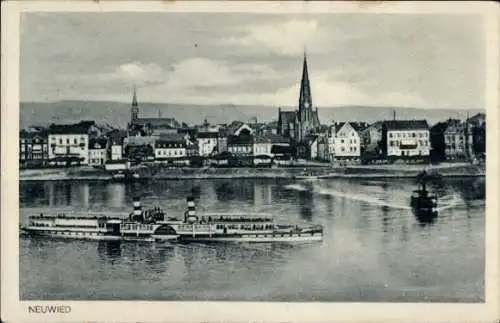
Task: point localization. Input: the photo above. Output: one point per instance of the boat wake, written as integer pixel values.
(362, 198)
(296, 187)
(447, 202)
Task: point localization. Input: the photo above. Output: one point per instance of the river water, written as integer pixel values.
(375, 248)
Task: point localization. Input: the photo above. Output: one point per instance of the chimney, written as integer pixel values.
(137, 207)
(393, 114)
(191, 211)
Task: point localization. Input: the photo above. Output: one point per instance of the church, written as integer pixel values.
(297, 125)
(147, 126)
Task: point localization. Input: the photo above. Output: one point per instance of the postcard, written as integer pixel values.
(178, 161)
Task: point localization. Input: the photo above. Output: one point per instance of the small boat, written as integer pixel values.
(422, 200)
(306, 175)
(126, 175)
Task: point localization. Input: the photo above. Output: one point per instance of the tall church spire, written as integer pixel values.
(134, 112)
(305, 99)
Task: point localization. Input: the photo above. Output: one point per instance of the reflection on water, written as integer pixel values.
(375, 247)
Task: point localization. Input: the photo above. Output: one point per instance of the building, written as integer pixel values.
(270, 128)
(310, 144)
(477, 120)
(298, 124)
(406, 140)
(457, 140)
(116, 141)
(237, 128)
(477, 126)
(207, 143)
(98, 151)
(140, 126)
(371, 138)
(241, 146)
(345, 142)
(262, 146)
(33, 149)
(323, 148)
(222, 141)
(436, 138)
(69, 143)
(171, 148)
(139, 152)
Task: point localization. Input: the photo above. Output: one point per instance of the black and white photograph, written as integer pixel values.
(293, 157)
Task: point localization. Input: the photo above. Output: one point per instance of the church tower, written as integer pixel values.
(305, 99)
(134, 111)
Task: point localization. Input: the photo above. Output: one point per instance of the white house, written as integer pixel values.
(97, 152)
(170, 147)
(262, 145)
(116, 140)
(344, 141)
(69, 143)
(406, 139)
(207, 143)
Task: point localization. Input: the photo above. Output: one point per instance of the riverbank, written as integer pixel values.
(360, 171)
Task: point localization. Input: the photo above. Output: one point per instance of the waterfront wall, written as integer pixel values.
(153, 172)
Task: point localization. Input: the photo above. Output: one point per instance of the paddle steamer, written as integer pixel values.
(153, 225)
(138, 226)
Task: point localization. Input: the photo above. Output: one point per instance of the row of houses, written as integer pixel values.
(392, 140)
(85, 143)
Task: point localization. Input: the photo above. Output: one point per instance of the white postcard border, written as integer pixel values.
(135, 311)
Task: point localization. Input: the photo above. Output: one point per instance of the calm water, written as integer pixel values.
(374, 249)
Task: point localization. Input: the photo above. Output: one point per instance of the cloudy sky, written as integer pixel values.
(433, 61)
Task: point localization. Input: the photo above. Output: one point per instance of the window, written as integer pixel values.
(341, 141)
(60, 141)
(75, 141)
(390, 135)
(413, 134)
(399, 135)
(67, 141)
(420, 135)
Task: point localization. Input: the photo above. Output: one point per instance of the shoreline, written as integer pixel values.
(348, 172)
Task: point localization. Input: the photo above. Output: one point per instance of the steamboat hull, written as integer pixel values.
(294, 238)
(95, 235)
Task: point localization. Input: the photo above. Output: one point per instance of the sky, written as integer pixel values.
(401, 60)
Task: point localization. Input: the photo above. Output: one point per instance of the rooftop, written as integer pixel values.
(83, 127)
(406, 125)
